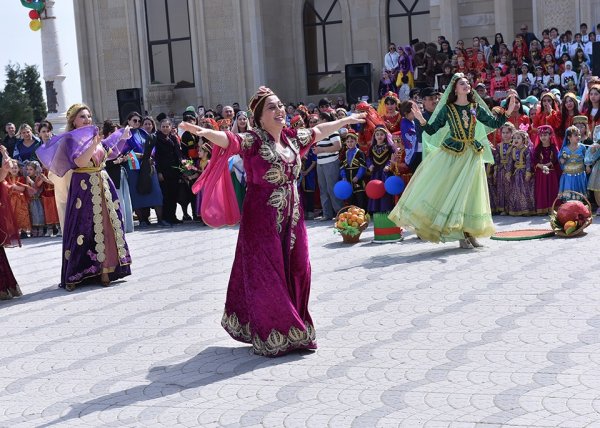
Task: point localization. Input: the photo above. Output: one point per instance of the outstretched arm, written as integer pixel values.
(324, 130)
(5, 162)
(216, 137)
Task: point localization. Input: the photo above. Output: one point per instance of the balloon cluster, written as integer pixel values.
(375, 189)
(36, 6)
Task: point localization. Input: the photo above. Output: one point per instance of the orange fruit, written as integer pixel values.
(354, 224)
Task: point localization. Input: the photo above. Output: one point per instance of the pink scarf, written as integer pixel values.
(219, 203)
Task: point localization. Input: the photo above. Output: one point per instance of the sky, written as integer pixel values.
(20, 45)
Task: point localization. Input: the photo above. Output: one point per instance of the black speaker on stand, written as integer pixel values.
(596, 59)
(129, 100)
(358, 82)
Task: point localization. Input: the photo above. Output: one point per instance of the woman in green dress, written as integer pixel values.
(447, 198)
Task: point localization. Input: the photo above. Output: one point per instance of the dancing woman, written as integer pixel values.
(93, 236)
(269, 286)
(447, 198)
(9, 232)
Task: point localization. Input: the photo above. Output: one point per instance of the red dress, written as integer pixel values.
(49, 204)
(9, 236)
(20, 204)
(392, 123)
(542, 118)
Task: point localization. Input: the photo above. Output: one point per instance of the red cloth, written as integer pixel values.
(9, 232)
(219, 203)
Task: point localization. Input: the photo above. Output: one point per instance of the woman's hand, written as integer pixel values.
(191, 128)
(511, 104)
(356, 118)
(126, 135)
(417, 112)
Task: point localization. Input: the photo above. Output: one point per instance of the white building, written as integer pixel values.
(192, 52)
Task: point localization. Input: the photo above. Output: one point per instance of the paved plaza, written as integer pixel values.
(410, 334)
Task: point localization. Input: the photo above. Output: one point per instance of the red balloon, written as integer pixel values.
(375, 189)
(33, 14)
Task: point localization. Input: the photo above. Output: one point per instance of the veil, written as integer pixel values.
(433, 142)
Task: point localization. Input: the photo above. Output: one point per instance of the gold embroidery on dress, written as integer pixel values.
(247, 140)
(277, 341)
(465, 119)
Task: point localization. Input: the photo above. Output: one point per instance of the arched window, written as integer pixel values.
(169, 42)
(323, 46)
(408, 20)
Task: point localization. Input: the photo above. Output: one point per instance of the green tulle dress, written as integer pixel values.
(448, 194)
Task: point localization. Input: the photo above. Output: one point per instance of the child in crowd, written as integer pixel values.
(398, 165)
(547, 169)
(18, 199)
(34, 190)
(49, 204)
(378, 162)
(404, 91)
(502, 155)
(521, 199)
(571, 158)
(592, 167)
(308, 183)
(353, 169)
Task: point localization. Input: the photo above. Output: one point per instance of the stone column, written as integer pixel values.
(53, 71)
(503, 13)
(449, 22)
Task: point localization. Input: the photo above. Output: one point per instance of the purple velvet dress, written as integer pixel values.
(93, 235)
(269, 286)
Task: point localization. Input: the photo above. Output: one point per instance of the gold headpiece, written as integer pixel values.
(259, 97)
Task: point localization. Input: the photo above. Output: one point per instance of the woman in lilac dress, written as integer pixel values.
(94, 244)
(269, 286)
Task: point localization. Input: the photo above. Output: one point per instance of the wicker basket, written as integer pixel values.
(570, 195)
(361, 227)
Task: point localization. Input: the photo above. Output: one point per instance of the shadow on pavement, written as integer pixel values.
(213, 364)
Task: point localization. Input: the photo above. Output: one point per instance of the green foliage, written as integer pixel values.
(22, 99)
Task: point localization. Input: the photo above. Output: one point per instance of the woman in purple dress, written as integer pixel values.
(94, 244)
(9, 232)
(269, 286)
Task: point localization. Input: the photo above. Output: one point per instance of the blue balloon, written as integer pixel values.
(394, 185)
(342, 190)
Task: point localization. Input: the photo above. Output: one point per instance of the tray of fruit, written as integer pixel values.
(571, 214)
(350, 223)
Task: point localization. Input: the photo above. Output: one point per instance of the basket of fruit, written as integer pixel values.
(571, 214)
(350, 223)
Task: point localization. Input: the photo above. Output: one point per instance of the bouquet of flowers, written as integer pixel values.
(187, 168)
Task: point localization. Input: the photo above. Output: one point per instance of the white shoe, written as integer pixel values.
(466, 244)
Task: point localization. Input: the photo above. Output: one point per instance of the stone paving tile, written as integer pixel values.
(411, 334)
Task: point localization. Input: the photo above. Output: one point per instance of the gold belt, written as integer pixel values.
(89, 169)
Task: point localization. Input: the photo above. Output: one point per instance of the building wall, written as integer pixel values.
(238, 45)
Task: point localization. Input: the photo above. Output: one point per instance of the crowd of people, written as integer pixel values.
(492, 142)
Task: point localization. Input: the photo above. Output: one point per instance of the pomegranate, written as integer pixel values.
(572, 211)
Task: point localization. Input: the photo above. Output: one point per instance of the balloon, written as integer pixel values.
(33, 14)
(38, 5)
(342, 190)
(35, 25)
(394, 185)
(375, 189)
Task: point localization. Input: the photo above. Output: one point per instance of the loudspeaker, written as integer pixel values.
(595, 58)
(129, 100)
(358, 82)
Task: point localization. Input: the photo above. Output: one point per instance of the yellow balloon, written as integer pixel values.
(35, 24)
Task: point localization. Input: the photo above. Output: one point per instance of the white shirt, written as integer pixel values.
(574, 46)
(390, 60)
(325, 158)
(551, 79)
(529, 79)
(569, 74)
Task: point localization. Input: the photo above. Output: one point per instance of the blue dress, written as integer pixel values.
(137, 144)
(573, 176)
